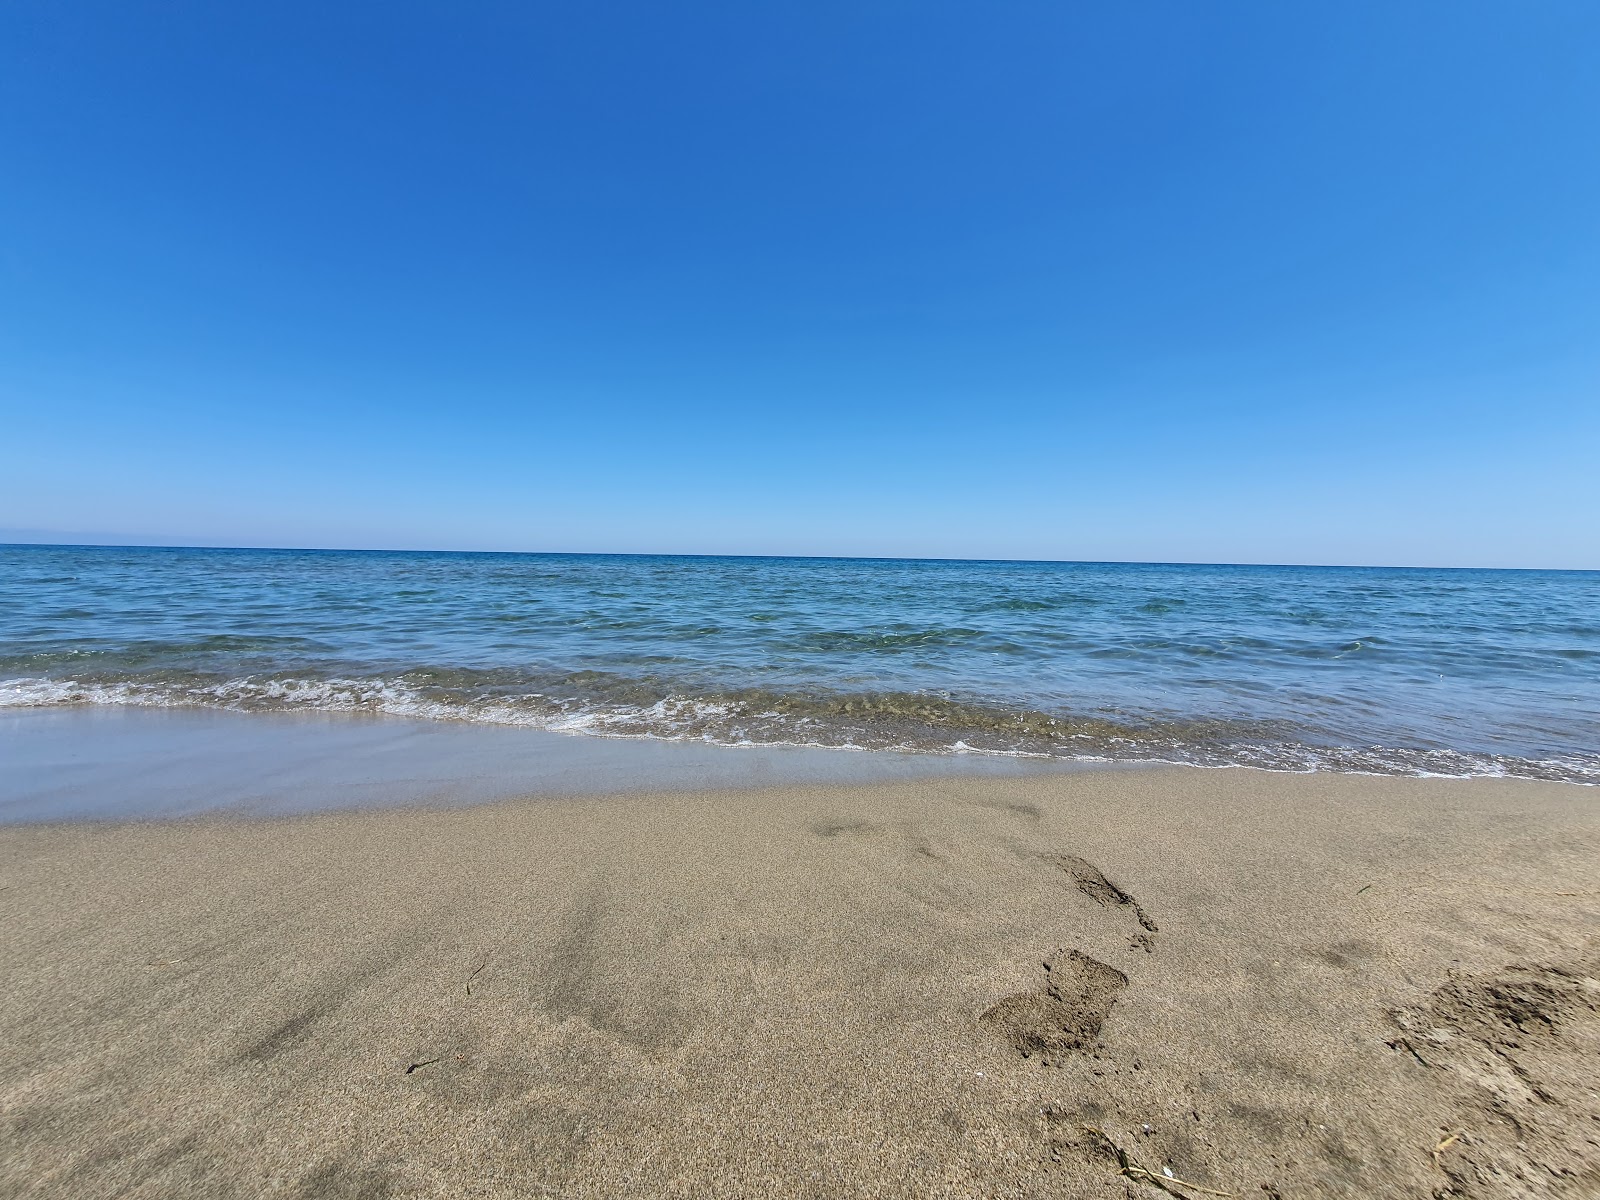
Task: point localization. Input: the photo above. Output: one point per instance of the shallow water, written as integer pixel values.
(1356, 669)
(103, 762)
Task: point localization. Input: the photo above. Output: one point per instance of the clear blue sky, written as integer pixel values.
(1166, 280)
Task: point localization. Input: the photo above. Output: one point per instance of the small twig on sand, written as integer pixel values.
(1443, 1146)
(418, 1065)
(1363, 888)
(474, 975)
(1135, 1170)
(1404, 1044)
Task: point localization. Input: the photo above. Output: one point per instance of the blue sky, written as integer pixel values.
(1162, 281)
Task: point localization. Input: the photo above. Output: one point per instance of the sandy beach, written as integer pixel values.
(1060, 985)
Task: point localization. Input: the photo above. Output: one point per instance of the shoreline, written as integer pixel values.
(130, 763)
(818, 990)
(935, 728)
(109, 763)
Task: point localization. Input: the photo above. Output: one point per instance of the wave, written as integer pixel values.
(607, 704)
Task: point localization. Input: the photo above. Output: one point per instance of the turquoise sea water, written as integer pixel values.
(1350, 669)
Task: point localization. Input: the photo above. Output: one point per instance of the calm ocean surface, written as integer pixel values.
(1344, 669)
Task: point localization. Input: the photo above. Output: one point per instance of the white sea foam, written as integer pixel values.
(728, 722)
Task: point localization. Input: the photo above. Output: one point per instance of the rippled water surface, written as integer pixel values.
(1407, 671)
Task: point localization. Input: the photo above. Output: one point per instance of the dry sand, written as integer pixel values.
(1271, 985)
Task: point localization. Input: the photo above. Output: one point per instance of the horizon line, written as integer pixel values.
(864, 558)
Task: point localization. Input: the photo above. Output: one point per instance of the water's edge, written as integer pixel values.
(107, 763)
(898, 724)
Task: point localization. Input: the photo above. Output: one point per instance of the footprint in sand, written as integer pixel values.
(1065, 1014)
(1092, 883)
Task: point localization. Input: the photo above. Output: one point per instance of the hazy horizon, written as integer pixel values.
(44, 539)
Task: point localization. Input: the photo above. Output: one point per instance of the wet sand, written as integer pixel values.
(1269, 985)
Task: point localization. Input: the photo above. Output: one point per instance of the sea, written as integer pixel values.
(1395, 671)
